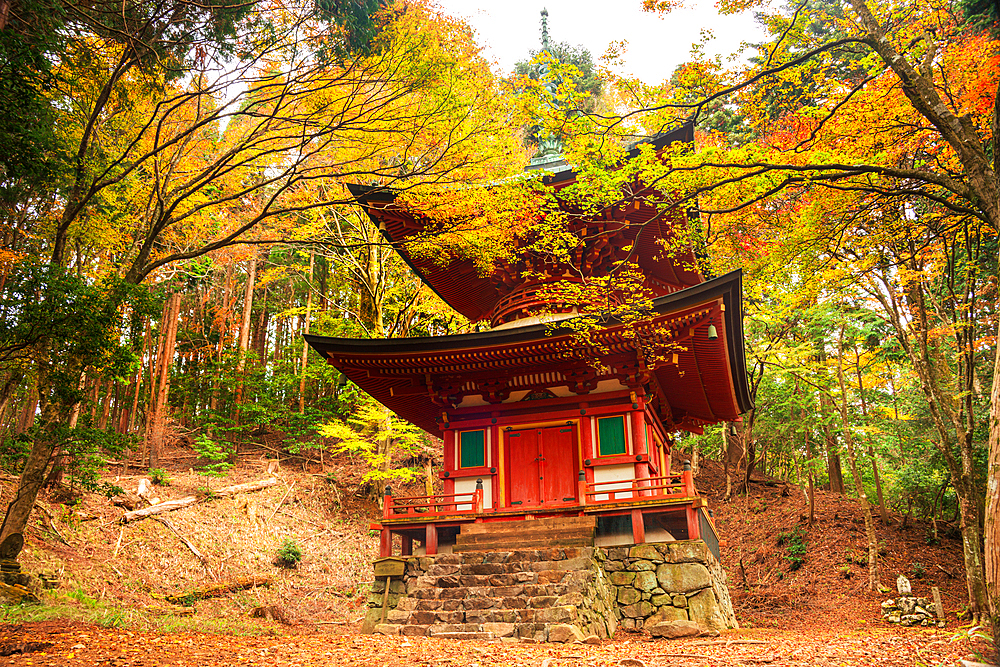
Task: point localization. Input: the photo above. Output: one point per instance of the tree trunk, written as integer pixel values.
(871, 450)
(260, 339)
(27, 417)
(159, 412)
(858, 485)
(734, 455)
(244, 339)
(878, 487)
(32, 478)
(137, 384)
(809, 471)
(102, 423)
(834, 471)
(305, 330)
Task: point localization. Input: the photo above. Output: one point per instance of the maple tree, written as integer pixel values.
(213, 129)
(828, 169)
(880, 102)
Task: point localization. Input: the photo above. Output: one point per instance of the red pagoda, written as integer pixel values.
(536, 423)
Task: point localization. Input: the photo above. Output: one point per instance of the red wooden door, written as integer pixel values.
(541, 466)
(557, 453)
(522, 468)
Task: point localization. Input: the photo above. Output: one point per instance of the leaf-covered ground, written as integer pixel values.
(60, 643)
(818, 614)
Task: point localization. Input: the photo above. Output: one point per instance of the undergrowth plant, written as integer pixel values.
(216, 453)
(795, 546)
(289, 554)
(158, 476)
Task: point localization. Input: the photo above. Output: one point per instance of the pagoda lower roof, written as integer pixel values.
(696, 380)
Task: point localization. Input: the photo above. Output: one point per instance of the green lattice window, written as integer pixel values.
(611, 435)
(472, 449)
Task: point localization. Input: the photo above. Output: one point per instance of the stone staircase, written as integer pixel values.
(550, 588)
(528, 534)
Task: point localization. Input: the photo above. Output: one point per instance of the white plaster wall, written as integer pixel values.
(612, 474)
(468, 485)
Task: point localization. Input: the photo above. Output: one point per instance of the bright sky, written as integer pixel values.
(509, 29)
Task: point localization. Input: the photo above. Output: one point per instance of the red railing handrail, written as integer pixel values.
(439, 495)
(639, 487)
(395, 506)
(635, 480)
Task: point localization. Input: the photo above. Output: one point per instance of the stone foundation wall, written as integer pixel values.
(559, 594)
(669, 581)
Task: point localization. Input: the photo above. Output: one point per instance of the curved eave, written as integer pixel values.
(726, 392)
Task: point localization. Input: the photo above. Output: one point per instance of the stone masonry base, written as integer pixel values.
(560, 594)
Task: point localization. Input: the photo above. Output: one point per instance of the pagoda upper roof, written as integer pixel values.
(698, 381)
(476, 296)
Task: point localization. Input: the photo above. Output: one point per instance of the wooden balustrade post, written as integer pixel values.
(387, 502)
(688, 478)
(477, 504)
(581, 488)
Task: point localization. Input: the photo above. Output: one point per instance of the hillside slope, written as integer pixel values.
(832, 580)
(120, 575)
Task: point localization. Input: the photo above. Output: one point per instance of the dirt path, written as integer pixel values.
(61, 644)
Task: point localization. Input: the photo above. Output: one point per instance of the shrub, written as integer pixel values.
(215, 453)
(159, 477)
(289, 554)
(794, 544)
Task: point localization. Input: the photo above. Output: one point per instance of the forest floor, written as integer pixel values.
(109, 605)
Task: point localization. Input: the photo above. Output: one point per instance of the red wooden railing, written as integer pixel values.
(431, 506)
(680, 485)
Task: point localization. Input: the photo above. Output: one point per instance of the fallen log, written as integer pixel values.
(217, 590)
(159, 508)
(245, 487)
(187, 501)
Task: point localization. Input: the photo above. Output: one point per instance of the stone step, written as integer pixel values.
(513, 558)
(484, 631)
(560, 586)
(528, 535)
(529, 524)
(463, 635)
(493, 544)
(528, 532)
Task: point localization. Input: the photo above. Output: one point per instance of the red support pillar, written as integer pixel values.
(638, 528)
(694, 529)
(407, 548)
(449, 461)
(639, 447)
(385, 543)
(431, 540)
